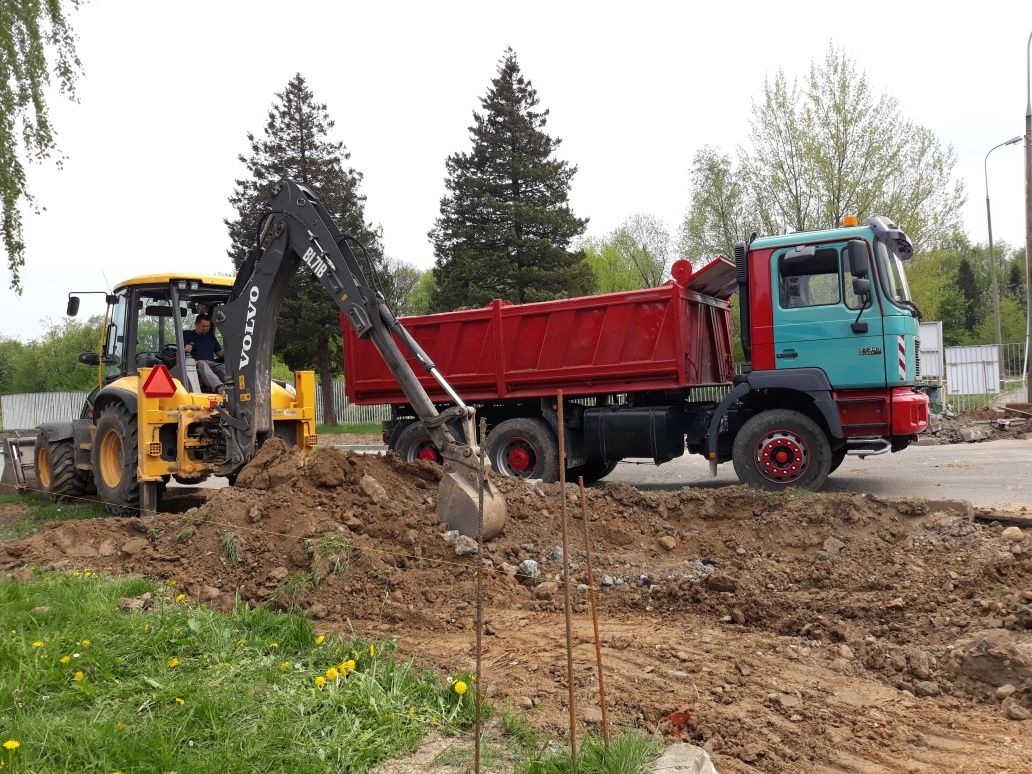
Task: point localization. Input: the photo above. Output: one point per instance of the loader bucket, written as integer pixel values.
(17, 459)
(458, 501)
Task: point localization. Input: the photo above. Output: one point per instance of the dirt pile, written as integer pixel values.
(985, 424)
(789, 627)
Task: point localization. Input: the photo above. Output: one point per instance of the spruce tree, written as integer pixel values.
(968, 287)
(297, 145)
(506, 225)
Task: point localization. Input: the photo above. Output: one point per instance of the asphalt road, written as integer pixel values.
(987, 474)
(991, 473)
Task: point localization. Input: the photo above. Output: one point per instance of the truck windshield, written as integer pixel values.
(893, 278)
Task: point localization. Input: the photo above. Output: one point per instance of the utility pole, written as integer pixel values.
(1028, 217)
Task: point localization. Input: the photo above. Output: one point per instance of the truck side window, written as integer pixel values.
(812, 281)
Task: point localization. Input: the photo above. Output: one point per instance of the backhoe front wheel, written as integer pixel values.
(115, 463)
(781, 448)
(56, 471)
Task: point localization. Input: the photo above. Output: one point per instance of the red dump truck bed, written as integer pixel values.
(666, 338)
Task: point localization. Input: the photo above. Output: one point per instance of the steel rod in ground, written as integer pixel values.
(479, 594)
(594, 615)
(566, 581)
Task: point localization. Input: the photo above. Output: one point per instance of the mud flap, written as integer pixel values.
(458, 501)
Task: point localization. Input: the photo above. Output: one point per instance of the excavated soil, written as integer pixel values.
(798, 632)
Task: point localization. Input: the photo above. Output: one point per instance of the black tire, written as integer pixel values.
(524, 448)
(781, 448)
(114, 461)
(593, 470)
(413, 443)
(56, 472)
(836, 459)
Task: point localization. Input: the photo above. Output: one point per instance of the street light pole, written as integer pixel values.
(992, 258)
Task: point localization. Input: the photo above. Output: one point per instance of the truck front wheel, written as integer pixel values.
(524, 448)
(781, 448)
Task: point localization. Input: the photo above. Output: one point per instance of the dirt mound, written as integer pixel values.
(708, 597)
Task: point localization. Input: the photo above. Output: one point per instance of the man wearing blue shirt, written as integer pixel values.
(203, 347)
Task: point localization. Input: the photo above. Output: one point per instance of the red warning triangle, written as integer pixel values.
(159, 383)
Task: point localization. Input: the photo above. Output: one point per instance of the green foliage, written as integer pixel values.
(819, 150)
(350, 428)
(635, 255)
(51, 362)
(420, 298)
(629, 753)
(506, 225)
(404, 281)
(296, 145)
(612, 273)
(969, 294)
(184, 688)
(35, 40)
(281, 370)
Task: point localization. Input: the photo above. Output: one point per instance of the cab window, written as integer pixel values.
(810, 281)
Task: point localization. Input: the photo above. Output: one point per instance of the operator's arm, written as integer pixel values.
(188, 341)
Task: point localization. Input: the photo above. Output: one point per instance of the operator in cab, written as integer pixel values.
(202, 345)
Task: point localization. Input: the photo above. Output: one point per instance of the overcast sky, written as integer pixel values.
(170, 91)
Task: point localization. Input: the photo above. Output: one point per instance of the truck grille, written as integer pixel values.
(917, 359)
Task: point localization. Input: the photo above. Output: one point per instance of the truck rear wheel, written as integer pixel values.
(56, 471)
(114, 461)
(524, 448)
(413, 442)
(781, 448)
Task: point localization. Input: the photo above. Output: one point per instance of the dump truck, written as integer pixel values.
(828, 330)
(150, 420)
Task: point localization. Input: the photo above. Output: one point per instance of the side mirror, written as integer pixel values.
(861, 287)
(73, 306)
(859, 262)
(89, 358)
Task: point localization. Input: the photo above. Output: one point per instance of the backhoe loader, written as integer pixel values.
(149, 420)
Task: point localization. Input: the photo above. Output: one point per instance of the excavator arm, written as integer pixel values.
(296, 230)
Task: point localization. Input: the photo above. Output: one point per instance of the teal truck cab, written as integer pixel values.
(829, 333)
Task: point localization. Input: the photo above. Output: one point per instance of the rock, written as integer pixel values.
(667, 542)
(972, 434)
(135, 546)
(528, 569)
(526, 702)
(509, 569)
(1004, 691)
(607, 580)
(718, 581)
(1014, 711)
(995, 658)
(209, 593)
(465, 546)
(372, 488)
(926, 688)
(839, 664)
(846, 652)
(318, 611)
(107, 548)
(546, 590)
(410, 538)
(1013, 533)
(919, 665)
(1027, 595)
(279, 574)
(832, 546)
(684, 758)
(254, 515)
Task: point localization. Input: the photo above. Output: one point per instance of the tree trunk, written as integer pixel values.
(325, 373)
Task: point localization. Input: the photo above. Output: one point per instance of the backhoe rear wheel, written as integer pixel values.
(114, 461)
(56, 471)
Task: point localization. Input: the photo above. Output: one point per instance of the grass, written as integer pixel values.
(86, 687)
(41, 511)
(352, 428)
(230, 547)
(628, 753)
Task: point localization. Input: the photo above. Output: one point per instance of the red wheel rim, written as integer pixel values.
(424, 449)
(782, 456)
(517, 457)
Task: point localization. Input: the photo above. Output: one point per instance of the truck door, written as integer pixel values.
(814, 307)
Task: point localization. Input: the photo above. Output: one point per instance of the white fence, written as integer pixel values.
(28, 410)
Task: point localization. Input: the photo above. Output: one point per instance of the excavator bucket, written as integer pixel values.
(458, 501)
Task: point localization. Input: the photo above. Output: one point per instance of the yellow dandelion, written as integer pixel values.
(180, 702)
(372, 651)
(84, 643)
(180, 598)
(76, 574)
(411, 712)
(87, 572)
(38, 644)
(65, 659)
(120, 725)
(460, 687)
(146, 628)
(332, 674)
(274, 645)
(239, 643)
(78, 677)
(320, 681)
(12, 744)
(350, 664)
(284, 666)
(320, 639)
(173, 662)
(170, 582)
